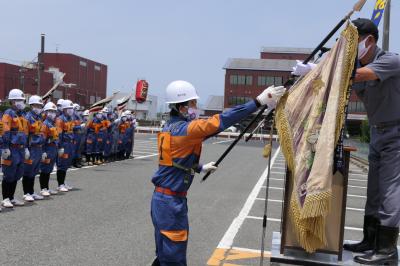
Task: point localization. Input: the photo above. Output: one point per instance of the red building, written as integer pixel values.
(89, 77)
(13, 76)
(86, 79)
(246, 78)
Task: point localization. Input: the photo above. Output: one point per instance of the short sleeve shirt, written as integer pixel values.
(381, 97)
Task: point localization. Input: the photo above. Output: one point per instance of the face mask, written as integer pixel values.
(70, 112)
(36, 110)
(20, 105)
(362, 48)
(193, 113)
(51, 115)
(99, 116)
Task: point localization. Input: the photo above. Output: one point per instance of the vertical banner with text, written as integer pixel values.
(378, 11)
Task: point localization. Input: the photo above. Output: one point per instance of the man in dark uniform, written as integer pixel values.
(377, 84)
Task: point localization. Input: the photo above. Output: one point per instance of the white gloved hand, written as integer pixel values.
(302, 69)
(27, 154)
(60, 152)
(209, 167)
(270, 96)
(44, 156)
(5, 154)
(83, 125)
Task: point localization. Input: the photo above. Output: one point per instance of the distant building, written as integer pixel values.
(145, 111)
(89, 77)
(13, 76)
(214, 105)
(246, 78)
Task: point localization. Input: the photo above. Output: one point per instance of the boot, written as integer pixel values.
(79, 163)
(385, 252)
(369, 230)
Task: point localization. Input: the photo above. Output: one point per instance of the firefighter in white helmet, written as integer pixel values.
(65, 125)
(77, 160)
(15, 150)
(35, 143)
(50, 148)
(179, 146)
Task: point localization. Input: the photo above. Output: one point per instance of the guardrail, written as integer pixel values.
(228, 135)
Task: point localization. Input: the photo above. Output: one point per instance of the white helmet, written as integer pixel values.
(35, 100)
(76, 106)
(67, 104)
(123, 114)
(86, 113)
(60, 102)
(127, 112)
(16, 94)
(50, 107)
(180, 91)
(105, 110)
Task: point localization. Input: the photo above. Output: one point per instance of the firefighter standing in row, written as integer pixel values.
(122, 128)
(179, 146)
(35, 143)
(93, 135)
(77, 160)
(65, 125)
(14, 147)
(50, 148)
(129, 134)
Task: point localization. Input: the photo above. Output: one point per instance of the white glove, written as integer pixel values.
(27, 154)
(270, 96)
(60, 152)
(116, 121)
(44, 156)
(83, 125)
(301, 69)
(209, 167)
(5, 154)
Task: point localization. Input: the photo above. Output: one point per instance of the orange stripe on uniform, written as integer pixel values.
(176, 235)
(183, 146)
(201, 128)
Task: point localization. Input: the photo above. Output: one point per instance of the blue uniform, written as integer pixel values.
(180, 148)
(50, 147)
(93, 129)
(35, 143)
(65, 127)
(77, 136)
(14, 138)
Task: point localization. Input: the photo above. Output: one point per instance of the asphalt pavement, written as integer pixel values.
(105, 220)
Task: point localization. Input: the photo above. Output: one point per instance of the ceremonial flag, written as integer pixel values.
(378, 11)
(309, 120)
(98, 106)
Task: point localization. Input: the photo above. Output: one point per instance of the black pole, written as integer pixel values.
(236, 141)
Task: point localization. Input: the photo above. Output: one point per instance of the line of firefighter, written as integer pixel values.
(33, 142)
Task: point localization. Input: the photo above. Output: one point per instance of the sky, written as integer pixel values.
(167, 40)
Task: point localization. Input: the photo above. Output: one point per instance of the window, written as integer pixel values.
(92, 99)
(261, 81)
(236, 100)
(96, 67)
(249, 80)
(58, 94)
(270, 81)
(234, 79)
(278, 81)
(241, 80)
(83, 63)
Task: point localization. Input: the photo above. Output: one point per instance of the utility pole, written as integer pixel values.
(39, 63)
(386, 27)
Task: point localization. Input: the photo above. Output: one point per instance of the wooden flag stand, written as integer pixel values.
(288, 250)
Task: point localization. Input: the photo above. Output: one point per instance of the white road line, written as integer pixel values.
(229, 236)
(278, 167)
(357, 187)
(223, 141)
(276, 188)
(260, 218)
(355, 209)
(145, 156)
(143, 152)
(356, 196)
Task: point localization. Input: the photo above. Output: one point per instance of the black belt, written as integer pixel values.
(384, 125)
